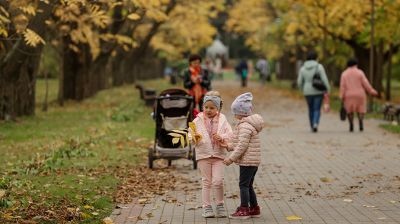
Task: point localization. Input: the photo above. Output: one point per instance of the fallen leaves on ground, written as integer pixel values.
(326, 179)
(293, 218)
(108, 220)
(143, 183)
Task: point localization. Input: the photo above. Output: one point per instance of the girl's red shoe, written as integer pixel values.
(241, 213)
(255, 212)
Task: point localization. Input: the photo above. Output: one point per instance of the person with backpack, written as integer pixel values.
(313, 82)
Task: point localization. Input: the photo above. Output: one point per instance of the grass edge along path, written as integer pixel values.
(74, 163)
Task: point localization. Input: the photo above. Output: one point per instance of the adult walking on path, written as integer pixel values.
(197, 80)
(262, 67)
(353, 85)
(313, 96)
(242, 70)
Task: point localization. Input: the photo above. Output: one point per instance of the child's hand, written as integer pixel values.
(228, 161)
(217, 138)
(223, 144)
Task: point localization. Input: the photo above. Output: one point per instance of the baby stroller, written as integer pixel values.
(173, 111)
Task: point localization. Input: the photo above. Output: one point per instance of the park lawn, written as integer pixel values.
(61, 164)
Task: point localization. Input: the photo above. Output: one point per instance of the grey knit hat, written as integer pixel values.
(242, 105)
(215, 99)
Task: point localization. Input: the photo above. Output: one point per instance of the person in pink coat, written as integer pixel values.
(353, 88)
(212, 131)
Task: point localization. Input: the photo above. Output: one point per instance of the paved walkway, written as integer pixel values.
(332, 176)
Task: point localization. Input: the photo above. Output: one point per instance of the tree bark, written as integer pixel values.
(389, 75)
(378, 73)
(18, 71)
(83, 77)
(125, 64)
(77, 82)
(287, 70)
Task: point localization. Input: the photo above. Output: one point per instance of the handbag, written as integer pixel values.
(326, 107)
(343, 112)
(317, 82)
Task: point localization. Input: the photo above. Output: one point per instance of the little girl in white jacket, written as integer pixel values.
(212, 130)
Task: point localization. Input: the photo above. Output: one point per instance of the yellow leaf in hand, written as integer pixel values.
(193, 126)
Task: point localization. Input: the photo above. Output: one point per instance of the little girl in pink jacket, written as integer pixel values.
(212, 129)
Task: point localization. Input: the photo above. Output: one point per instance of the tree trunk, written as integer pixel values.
(378, 73)
(46, 94)
(99, 72)
(287, 68)
(77, 81)
(17, 88)
(389, 75)
(118, 69)
(18, 71)
(125, 65)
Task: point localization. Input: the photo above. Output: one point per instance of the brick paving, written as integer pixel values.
(332, 176)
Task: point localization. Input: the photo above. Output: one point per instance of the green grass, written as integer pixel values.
(72, 152)
(391, 128)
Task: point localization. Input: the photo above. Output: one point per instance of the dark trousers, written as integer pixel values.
(244, 82)
(314, 103)
(246, 180)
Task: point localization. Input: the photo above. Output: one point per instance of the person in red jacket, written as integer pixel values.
(196, 79)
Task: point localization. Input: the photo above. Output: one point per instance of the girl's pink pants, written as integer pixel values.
(212, 173)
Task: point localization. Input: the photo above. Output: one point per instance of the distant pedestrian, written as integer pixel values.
(353, 85)
(242, 70)
(218, 67)
(308, 72)
(196, 80)
(263, 69)
(246, 146)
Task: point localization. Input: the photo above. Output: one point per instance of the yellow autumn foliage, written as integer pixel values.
(272, 26)
(187, 28)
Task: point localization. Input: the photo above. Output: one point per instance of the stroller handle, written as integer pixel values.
(174, 97)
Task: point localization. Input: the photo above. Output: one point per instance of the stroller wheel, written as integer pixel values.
(150, 158)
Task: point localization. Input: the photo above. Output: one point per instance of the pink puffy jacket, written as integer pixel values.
(245, 141)
(204, 148)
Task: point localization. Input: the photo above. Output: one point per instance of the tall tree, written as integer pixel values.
(21, 24)
(327, 26)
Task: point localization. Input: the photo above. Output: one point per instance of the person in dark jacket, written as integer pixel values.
(196, 80)
(242, 71)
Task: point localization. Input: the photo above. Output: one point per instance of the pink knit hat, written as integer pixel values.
(242, 105)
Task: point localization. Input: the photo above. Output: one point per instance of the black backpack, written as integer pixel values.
(317, 82)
